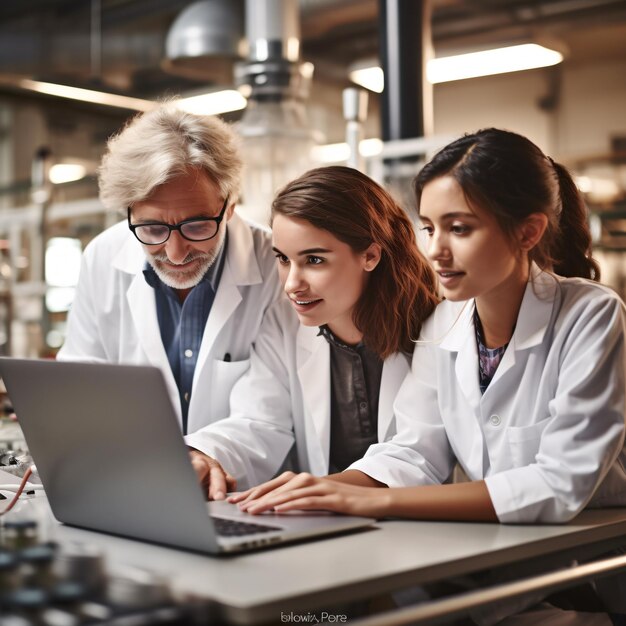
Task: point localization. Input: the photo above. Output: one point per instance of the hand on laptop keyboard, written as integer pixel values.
(215, 480)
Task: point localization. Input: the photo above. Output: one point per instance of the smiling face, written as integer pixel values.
(178, 262)
(466, 246)
(321, 275)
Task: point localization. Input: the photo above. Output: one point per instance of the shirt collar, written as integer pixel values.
(334, 341)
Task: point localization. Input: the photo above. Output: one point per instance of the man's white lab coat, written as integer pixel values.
(114, 317)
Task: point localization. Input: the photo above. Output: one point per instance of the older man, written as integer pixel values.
(183, 282)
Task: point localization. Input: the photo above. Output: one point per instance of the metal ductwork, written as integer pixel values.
(275, 129)
(205, 40)
(272, 69)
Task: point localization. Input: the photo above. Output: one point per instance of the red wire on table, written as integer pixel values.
(18, 493)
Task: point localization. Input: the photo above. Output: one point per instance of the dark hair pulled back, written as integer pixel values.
(509, 176)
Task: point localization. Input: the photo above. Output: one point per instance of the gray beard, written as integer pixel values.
(185, 280)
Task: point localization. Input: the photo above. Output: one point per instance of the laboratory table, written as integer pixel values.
(261, 587)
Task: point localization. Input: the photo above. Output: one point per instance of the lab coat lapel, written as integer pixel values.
(142, 305)
(536, 309)
(466, 370)
(313, 365)
(240, 269)
(227, 297)
(461, 338)
(395, 369)
(532, 321)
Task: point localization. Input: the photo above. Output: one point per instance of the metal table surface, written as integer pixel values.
(260, 586)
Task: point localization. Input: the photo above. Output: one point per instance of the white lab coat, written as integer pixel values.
(114, 318)
(286, 397)
(548, 434)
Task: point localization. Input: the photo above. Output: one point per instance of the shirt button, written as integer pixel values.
(186, 396)
(363, 405)
(188, 353)
(495, 420)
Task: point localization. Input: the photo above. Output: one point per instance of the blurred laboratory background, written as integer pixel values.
(376, 84)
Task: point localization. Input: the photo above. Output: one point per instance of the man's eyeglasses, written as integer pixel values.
(198, 229)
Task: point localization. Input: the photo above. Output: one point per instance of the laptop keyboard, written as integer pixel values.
(232, 528)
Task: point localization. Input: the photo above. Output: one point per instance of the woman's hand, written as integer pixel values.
(290, 492)
(254, 493)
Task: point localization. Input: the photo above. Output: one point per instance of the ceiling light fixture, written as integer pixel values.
(470, 65)
(85, 95)
(339, 152)
(213, 103)
(66, 172)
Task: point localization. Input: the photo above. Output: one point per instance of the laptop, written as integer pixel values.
(110, 455)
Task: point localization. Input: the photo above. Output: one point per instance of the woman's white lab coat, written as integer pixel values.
(284, 398)
(548, 434)
(114, 317)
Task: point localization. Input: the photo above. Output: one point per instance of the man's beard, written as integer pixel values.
(184, 279)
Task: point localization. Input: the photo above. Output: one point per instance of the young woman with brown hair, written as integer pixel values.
(331, 356)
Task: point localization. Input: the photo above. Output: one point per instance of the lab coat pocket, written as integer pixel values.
(524, 442)
(225, 375)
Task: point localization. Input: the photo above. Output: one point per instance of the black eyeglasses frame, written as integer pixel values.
(217, 219)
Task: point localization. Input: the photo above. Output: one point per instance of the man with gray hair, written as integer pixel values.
(183, 282)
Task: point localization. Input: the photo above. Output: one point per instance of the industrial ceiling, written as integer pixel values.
(119, 45)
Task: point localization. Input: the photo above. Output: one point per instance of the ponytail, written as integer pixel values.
(571, 249)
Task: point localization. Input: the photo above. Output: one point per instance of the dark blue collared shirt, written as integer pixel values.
(182, 324)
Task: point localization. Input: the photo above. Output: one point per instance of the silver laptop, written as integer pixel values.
(111, 458)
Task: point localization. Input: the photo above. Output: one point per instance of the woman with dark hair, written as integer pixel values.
(332, 355)
(518, 375)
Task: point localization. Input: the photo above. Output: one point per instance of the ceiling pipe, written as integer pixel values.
(277, 136)
(407, 98)
(405, 47)
(272, 68)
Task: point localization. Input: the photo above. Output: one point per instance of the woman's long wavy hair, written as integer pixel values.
(509, 176)
(401, 291)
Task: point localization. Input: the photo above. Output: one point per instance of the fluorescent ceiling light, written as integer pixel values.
(598, 189)
(212, 103)
(339, 152)
(583, 183)
(526, 56)
(372, 78)
(471, 65)
(86, 95)
(63, 257)
(66, 172)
